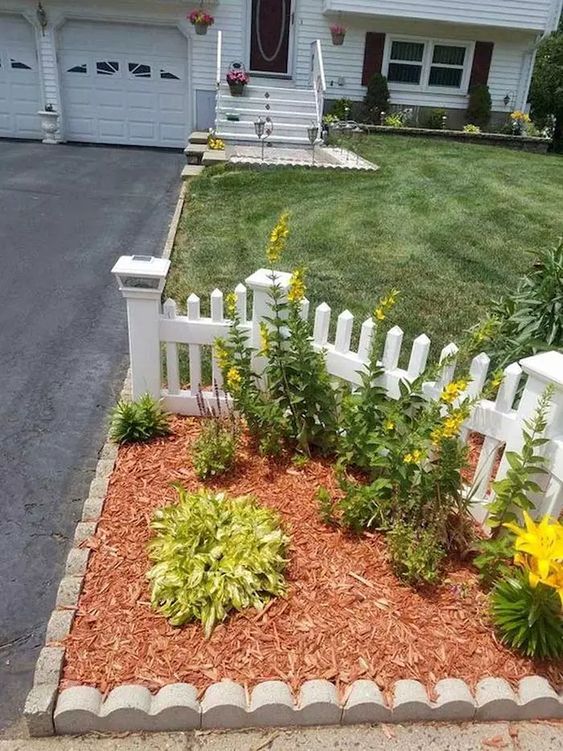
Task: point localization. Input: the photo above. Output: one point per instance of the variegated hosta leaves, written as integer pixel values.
(212, 554)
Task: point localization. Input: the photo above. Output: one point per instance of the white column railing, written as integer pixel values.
(318, 80)
(218, 74)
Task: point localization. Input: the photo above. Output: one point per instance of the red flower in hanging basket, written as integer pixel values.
(337, 30)
(200, 18)
(235, 77)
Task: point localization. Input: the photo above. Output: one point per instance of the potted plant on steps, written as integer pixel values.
(237, 80)
(201, 21)
(49, 124)
(338, 33)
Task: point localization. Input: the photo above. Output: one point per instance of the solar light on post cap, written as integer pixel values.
(313, 134)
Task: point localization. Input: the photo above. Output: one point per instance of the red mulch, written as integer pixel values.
(346, 615)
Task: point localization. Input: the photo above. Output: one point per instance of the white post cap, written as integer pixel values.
(547, 366)
(262, 279)
(141, 273)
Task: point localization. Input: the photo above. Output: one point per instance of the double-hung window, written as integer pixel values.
(427, 64)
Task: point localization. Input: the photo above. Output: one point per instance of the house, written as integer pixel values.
(135, 71)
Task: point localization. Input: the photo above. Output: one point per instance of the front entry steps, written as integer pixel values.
(199, 155)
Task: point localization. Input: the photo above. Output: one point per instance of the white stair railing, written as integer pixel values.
(318, 81)
(218, 76)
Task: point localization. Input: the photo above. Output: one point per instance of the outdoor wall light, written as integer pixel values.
(506, 100)
(42, 17)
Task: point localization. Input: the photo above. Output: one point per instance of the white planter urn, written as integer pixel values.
(49, 125)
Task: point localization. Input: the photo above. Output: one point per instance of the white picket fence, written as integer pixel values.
(500, 422)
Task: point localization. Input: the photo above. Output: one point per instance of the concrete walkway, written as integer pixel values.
(66, 214)
(525, 736)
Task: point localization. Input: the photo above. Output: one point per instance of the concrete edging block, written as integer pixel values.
(69, 590)
(365, 704)
(126, 708)
(410, 702)
(84, 530)
(495, 700)
(175, 708)
(77, 562)
(49, 666)
(224, 706)
(318, 704)
(78, 710)
(39, 708)
(454, 703)
(538, 700)
(59, 625)
(272, 705)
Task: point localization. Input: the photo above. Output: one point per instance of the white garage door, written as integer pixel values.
(20, 97)
(124, 83)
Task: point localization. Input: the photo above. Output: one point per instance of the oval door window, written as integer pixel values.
(269, 46)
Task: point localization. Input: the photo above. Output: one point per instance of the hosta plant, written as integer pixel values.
(213, 554)
(137, 421)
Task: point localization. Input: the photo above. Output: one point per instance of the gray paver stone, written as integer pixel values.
(92, 508)
(175, 707)
(69, 591)
(410, 702)
(49, 666)
(495, 700)
(455, 702)
(538, 700)
(38, 710)
(84, 530)
(77, 710)
(109, 451)
(98, 487)
(126, 709)
(77, 562)
(272, 705)
(365, 704)
(318, 704)
(224, 706)
(59, 625)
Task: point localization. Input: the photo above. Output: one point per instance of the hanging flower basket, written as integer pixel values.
(201, 21)
(237, 80)
(338, 33)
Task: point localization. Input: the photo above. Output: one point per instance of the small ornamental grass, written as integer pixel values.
(213, 554)
(134, 422)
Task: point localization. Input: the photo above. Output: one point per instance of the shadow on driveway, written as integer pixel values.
(66, 213)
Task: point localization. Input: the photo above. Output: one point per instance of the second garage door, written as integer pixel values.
(124, 84)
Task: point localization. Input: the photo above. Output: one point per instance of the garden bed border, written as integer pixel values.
(521, 143)
(226, 704)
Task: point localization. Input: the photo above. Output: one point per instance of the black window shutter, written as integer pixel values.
(373, 55)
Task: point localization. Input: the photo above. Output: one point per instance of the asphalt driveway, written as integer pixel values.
(66, 213)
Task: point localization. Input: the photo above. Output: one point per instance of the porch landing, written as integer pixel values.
(326, 157)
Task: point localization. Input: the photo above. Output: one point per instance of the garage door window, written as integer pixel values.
(107, 68)
(78, 69)
(168, 75)
(140, 70)
(19, 65)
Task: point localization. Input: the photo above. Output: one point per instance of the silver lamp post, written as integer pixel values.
(313, 134)
(259, 129)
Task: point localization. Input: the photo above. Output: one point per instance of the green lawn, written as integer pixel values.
(449, 224)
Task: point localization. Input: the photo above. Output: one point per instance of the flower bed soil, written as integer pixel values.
(346, 615)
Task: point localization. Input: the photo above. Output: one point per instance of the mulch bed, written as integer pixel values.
(346, 615)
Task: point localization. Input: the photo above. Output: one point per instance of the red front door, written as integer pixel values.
(269, 36)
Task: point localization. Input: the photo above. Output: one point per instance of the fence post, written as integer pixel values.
(141, 281)
(260, 283)
(542, 370)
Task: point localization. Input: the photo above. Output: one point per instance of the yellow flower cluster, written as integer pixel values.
(221, 354)
(413, 457)
(265, 339)
(485, 331)
(297, 287)
(389, 425)
(520, 117)
(453, 390)
(234, 379)
(385, 304)
(539, 551)
(278, 239)
(215, 144)
(231, 304)
(450, 426)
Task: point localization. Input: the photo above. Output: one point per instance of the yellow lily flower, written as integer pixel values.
(543, 541)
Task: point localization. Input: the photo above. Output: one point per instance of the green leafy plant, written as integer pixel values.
(530, 319)
(415, 554)
(213, 554)
(528, 618)
(341, 109)
(138, 421)
(547, 85)
(377, 98)
(214, 450)
(513, 491)
(494, 558)
(394, 120)
(435, 119)
(470, 128)
(479, 105)
(326, 506)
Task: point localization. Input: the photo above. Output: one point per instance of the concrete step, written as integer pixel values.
(198, 136)
(192, 170)
(276, 115)
(214, 157)
(273, 92)
(247, 127)
(234, 137)
(194, 152)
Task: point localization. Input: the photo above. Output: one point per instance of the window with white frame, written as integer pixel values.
(428, 64)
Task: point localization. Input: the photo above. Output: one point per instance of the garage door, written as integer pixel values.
(124, 83)
(20, 97)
